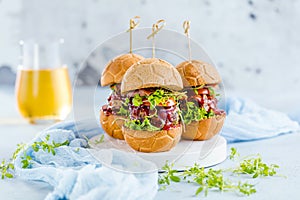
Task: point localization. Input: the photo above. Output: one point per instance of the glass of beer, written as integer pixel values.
(43, 88)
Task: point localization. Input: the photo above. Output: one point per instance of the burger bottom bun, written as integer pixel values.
(152, 141)
(112, 125)
(204, 129)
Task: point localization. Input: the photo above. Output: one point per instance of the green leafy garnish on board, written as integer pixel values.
(212, 179)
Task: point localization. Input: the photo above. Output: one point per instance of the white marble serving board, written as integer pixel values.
(185, 153)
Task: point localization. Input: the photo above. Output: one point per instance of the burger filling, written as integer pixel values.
(200, 103)
(153, 109)
(116, 105)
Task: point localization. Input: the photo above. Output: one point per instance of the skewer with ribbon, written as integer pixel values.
(155, 29)
(186, 27)
(133, 23)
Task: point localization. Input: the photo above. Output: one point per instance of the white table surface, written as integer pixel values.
(283, 150)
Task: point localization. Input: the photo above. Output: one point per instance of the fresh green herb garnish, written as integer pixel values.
(87, 140)
(214, 179)
(45, 146)
(26, 161)
(6, 169)
(42, 145)
(20, 147)
(253, 165)
(169, 175)
(211, 179)
(100, 140)
(206, 179)
(256, 167)
(233, 153)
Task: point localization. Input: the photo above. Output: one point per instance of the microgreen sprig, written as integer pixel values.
(7, 168)
(253, 165)
(207, 180)
(233, 154)
(45, 146)
(169, 175)
(100, 140)
(212, 179)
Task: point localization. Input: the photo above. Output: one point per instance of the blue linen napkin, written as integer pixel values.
(76, 173)
(247, 121)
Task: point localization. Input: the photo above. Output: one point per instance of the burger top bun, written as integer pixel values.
(151, 72)
(116, 68)
(197, 72)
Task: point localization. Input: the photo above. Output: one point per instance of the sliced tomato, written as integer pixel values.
(146, 102)
(145, 92)
(203, 91)
(170, 102)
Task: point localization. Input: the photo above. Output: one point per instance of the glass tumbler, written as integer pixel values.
(43, 88)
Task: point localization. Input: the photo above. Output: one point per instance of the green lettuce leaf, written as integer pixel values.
(195, 113)
(138, 125)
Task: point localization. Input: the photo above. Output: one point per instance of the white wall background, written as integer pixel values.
(255, 43)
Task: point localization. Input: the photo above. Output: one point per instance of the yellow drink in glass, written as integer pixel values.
(43, 88)
(44, 94)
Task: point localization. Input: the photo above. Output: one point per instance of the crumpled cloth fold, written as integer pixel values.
(247, 121)
(76, 172)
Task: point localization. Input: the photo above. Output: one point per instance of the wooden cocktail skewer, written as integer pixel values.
(155, 29)
(132, 25)
(186, 27)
